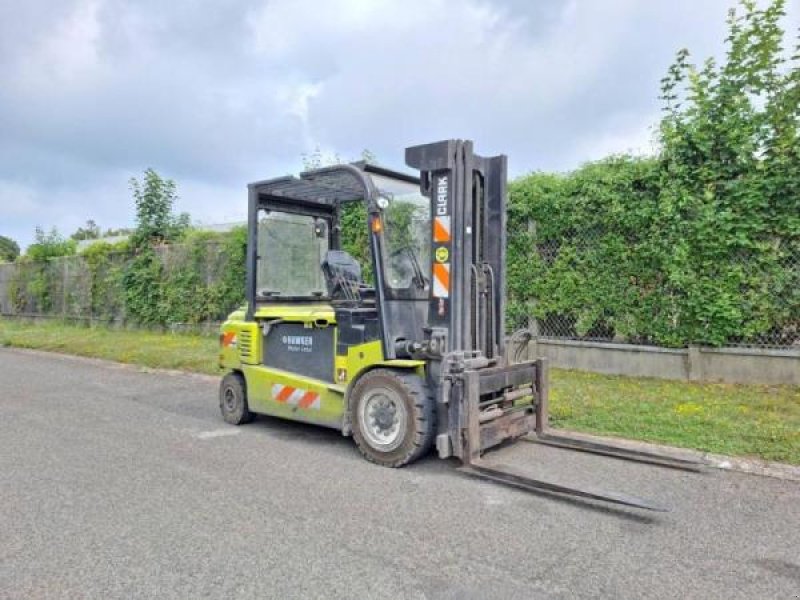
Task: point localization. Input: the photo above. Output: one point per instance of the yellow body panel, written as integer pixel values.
(289, 395)
(365, 356)
(263, 381)
(240, 343)
(297, 312)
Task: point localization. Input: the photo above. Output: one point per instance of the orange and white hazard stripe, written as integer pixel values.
(441, 280)
(286, 394)
(441, 229)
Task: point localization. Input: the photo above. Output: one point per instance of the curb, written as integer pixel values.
(751, 466)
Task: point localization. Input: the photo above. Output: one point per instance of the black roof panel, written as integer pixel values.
(325, 186)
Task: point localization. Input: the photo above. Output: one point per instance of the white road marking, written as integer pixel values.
(493, 499)
(215, 433)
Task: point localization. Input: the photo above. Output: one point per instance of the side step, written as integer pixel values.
(651, 458)
(513, 478)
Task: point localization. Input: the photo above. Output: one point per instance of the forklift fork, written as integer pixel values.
(543, 435)
(497, 405)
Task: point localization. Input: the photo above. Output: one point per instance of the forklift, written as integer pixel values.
(413, 358)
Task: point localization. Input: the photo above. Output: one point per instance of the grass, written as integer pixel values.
(734, 419)
(749, 420)
(148, 348)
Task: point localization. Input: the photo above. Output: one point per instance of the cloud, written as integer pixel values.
(94, 91)
(25, 205)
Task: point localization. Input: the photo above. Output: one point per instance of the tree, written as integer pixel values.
(49, 245)
(9, 249)
(730, 187)
(111, 232)
(369, 156)
(155, 199)
(316, 159)
(91, 231)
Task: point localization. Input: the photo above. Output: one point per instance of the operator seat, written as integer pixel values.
(343, 278)
(353, 302)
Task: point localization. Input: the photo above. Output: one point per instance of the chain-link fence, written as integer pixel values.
(601, 287)
(186, 285)
(60, 286)
(590, 286)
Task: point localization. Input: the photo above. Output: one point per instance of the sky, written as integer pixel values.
(215, 94)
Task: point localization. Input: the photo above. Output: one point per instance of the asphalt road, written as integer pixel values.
(116, 483)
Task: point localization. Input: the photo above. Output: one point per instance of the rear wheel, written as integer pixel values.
(393, 417)
(233, 399)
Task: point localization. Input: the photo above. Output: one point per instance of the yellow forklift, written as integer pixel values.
(415, 358)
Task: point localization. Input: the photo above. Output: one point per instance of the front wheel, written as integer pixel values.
(393, 417)
(233, 399)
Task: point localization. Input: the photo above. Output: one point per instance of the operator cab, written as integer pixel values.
(353, 237)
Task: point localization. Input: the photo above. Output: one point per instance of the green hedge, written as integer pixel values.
(595, 253)
(605, 252)
(200, 279)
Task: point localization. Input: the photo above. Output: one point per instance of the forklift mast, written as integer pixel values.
(482, 400)
(467, 192)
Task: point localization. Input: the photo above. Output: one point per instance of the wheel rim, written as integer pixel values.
(229, 400)
(382, 419)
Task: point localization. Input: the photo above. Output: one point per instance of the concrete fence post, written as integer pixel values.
(532, 351)
(694, 367)
(64, 280)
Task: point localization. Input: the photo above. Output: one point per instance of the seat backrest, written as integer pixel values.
(342, 275)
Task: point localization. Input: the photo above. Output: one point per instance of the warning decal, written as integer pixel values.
(441, 229)
(441, 280)
(293, 396)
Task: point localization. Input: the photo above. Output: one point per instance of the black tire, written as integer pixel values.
(415, 438)
(233, 399)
